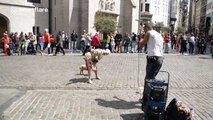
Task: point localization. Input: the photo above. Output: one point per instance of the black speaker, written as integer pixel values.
(157, 93)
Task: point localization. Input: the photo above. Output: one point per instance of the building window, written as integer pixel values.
(146, 7)
(208, 6)
(37, 30)
(34, 30)
(34, 1)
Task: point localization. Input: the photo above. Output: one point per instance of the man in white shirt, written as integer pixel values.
(154, 42)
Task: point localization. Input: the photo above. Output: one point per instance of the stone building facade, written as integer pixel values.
(23, 16)
(66, 15)
(209, 17)
(80, 15)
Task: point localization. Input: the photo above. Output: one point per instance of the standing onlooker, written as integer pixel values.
(139, 37)
(126, 41)
(118, 44)
(87, 42)
(16, 42)
(6, 40)
(58, 44)
(27, 42)
(112, 43)
(66, 41)
(191, 44)
(173, 41)
(95, 41)
(82, 43)
(108, 46)
(177, 44)
(133, 42)
(202, 44)
(21, 43)
(74, 38)
(183, 44)
(166, 43)
(33, 41)
(154, 42)
(12, 42)
(5, 33)
(52, 43)
(41, 42)
(63, 39)
(47, 40)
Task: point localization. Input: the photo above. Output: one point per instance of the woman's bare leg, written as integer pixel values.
(96, 72)
(89, 71)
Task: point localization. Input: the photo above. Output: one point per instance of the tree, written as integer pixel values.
(180, 29)
(166, 30)
(158, 26)
(105, 24)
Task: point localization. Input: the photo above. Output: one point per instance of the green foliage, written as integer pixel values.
(159, 24)
(166, 30)
(105, 24)
(180, 29)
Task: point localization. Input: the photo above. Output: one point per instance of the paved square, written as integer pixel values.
(52, 89)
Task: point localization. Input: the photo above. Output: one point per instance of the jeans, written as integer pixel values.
(134, 46)
(126, 47)
(73, 46)
(154, 64)
(166, 49)
(46, 46)
(191, 47)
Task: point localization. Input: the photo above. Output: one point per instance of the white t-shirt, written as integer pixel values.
(155, 44)
(192, 39)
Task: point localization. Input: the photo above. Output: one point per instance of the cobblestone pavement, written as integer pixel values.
(56, 91)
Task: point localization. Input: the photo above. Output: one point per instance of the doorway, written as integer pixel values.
(3, 25)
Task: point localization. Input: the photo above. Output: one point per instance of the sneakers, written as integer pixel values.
(90, 81)
(98, 78)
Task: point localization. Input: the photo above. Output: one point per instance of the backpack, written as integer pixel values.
(174, 112)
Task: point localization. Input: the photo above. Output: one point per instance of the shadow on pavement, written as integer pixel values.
(118, 103)
(77, 80)
(133, 116)
(205, 58)
(82, 74)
